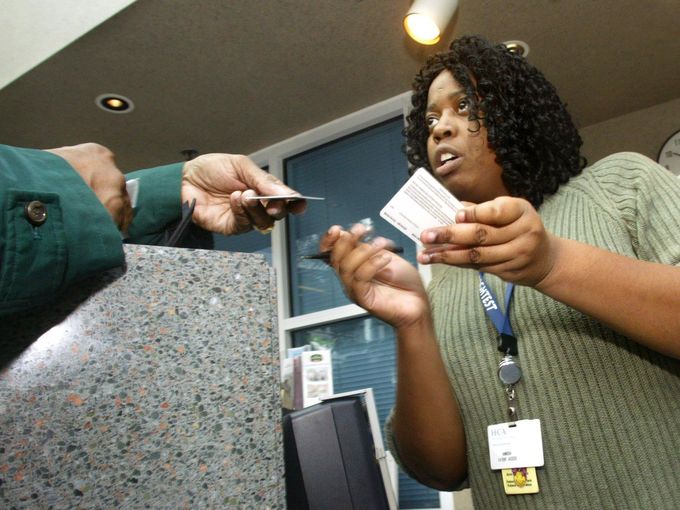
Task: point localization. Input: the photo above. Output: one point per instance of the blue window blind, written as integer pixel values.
(357, 175)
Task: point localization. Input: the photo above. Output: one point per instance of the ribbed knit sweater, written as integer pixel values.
(609, 407)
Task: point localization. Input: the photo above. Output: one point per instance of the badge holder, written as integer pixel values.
(515, 447)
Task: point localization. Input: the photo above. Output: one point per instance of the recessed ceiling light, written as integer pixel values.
(517, 47)
(114, 103)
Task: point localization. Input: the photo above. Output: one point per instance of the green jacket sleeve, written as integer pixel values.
(77, 238)
(158, 202)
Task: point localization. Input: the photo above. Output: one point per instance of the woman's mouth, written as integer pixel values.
(448, 163)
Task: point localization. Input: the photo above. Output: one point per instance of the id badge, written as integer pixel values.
(517, 444)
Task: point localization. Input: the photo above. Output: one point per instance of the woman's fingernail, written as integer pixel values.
(428, 237)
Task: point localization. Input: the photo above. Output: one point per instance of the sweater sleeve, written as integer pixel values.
(647, 198)
(76, 238)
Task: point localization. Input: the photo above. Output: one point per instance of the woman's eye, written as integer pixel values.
(431, 121)
(463, 106)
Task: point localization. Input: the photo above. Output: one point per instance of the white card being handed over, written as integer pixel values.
(289, 198)
(421, 203)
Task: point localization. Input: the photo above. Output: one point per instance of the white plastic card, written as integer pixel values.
(421, 203)
(289, 198)
(516, 444)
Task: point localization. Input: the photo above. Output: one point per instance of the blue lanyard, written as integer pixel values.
(507, 343)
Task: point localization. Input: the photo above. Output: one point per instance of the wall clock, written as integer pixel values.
(669, 155)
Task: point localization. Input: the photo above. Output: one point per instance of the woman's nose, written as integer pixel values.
(444, 128)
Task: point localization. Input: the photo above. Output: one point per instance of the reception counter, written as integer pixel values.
(152, 386)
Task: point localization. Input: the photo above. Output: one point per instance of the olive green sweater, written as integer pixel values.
(609, 407)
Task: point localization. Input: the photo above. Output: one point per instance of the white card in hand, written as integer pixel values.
(289, 198)
(421, 203)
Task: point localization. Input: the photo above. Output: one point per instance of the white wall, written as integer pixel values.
(643, 131)
(34, 30)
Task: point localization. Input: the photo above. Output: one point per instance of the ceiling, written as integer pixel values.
(239, 75)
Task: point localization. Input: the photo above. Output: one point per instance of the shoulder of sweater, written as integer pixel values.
(621, 173)
(622, 164)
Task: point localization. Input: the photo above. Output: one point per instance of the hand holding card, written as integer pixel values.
(421, 203)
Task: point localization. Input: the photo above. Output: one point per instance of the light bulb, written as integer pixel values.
(426, 19)
(421, 28)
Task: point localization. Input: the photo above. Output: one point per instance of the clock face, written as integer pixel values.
(669, 156)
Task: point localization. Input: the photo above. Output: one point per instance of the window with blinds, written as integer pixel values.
(357, 174)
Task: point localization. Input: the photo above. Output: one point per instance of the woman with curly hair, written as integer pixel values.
(527, 125)
(587, 260)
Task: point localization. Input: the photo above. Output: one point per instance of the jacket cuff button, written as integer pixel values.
(36, 212)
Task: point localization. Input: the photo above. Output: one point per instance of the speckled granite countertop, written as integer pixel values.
(153, 387)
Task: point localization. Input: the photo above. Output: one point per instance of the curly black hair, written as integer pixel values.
(533, 136)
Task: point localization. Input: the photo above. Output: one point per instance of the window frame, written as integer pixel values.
(274, 158)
